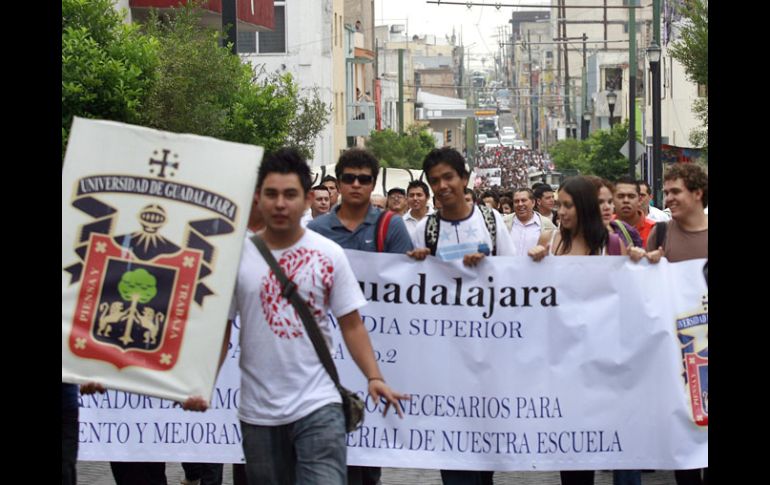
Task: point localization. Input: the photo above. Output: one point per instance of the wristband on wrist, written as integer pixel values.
(375, 379)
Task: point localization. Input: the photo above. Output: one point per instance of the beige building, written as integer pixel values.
(418, 52)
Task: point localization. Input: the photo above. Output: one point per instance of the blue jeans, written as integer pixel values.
(626, 477)
(311, 450)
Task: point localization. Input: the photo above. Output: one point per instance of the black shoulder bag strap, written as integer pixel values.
(289, 291)
(660, 234)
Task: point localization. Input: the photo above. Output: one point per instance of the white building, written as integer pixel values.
(307, 41)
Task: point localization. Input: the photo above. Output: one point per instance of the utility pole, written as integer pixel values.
(605, 24)
(531, 93)
(657, 163)
(563, 17)
(632, 68)
(401, 91)
(584, 81)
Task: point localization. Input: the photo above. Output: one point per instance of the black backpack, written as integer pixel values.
(432, 229)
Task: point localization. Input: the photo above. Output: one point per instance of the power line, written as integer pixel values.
(498, 5)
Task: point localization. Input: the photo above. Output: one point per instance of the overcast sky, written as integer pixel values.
(479, 24)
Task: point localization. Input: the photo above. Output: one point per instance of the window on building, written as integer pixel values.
(266, 42)
(334, 30)
(703, 91)
(613, 78)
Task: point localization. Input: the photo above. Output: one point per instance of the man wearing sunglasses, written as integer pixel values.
(352, 224)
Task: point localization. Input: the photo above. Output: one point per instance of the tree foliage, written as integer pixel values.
(107, 65)
(401, 151)
(604, 157)
(570, 154)
(691, 50)
(198, 80)
(176, 75)
(598, 155)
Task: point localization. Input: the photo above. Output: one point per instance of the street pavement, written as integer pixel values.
(98, 473)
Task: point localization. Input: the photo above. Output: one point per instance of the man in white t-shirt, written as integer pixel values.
(650, 211)
(417, 193)
(291, 418)
(458, 230)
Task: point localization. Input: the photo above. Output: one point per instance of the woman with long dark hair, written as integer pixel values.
(582, 232)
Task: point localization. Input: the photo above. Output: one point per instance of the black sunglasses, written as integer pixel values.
(349, 178)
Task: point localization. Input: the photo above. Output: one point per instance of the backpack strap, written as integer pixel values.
(613, 245)
(660, 234)
(491, 223)
(381, 228)
(626, 234)
(431, 232)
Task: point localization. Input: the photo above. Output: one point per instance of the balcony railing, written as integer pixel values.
(360, 118)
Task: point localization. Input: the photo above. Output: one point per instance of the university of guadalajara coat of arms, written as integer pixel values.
(136, 290)
(692, 330)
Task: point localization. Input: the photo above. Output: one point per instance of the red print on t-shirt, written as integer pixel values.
(311, 271)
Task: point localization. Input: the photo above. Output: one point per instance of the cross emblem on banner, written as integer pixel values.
(164, 163)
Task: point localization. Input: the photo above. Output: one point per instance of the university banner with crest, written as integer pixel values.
(569, 363)
(150, 221)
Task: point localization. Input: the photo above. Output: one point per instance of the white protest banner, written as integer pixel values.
(124, 426)
(570, 363)
(149, 219)
(489, 172)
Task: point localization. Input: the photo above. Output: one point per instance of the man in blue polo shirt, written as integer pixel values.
(353, 225)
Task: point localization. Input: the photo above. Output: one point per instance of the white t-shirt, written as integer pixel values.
(458, 238)
(306, 218)
(411, 222)
(658, 215)
(282, 378)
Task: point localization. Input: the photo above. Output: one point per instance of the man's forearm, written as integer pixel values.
(360, 347)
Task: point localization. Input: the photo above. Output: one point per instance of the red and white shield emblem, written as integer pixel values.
(133, 312)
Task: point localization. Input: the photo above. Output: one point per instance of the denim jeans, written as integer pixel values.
(207, 473)
(308, 451)
(626, 477)
(69, 446)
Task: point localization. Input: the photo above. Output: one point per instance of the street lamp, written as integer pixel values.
(611, 99)
(653, 55)
(586, 125)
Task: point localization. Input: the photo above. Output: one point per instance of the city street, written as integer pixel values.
(98, 473)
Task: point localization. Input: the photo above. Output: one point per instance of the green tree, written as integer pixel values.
(570, 154)
(106, 65)
(401, 151)
(198, 81)
(604, 158)
(138, 286)
(311, 118)
(203, 88)
(691, 50)
(176, 75)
